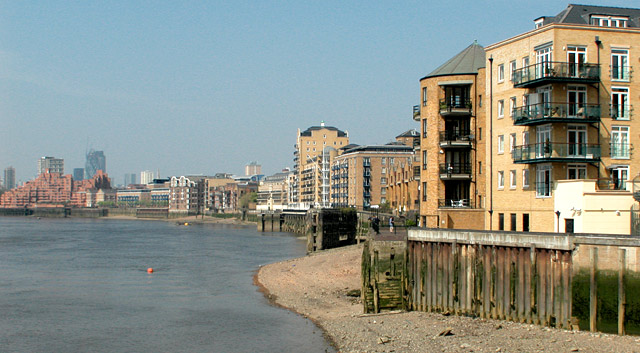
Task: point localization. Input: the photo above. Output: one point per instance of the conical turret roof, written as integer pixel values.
(467, 62)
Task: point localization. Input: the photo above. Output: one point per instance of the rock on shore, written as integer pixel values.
(316, 286)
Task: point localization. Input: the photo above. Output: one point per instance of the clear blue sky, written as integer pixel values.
(199, 87)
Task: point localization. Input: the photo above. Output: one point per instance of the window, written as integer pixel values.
(383, 161)
(525, 222)
(539, 23)
(525, 178)
(383, 191)
(609, 21)
(620, 142)
(525, 138)
(480, 134)
(512, 142)
(576, 171)
(424, 191)
(512, 106)
(500, 73)
(512, 69)
(500, 180)
(480, 100)
(501, 108)
(543, 62)
(620, 103)
(424, 96)
(512, 177)
(383, 171)
(500, 143)
(513, 222)
(479, 167)
(424, 128)
(620, 64)
(619, 176)
(500, 221)
(543, 181)
(424, 160)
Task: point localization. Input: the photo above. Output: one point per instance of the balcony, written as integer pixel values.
(620, 111)
(416, 112)
(455, 139)
(612, 184)
(620, 72)
(556, 152)
(455, 107)
(555, 72)
(456, 203)
(455, 171)
(620, 150)
(544, 113)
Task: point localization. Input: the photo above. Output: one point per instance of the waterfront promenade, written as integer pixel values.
(316, 286)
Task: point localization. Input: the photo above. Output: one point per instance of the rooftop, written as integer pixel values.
(467, 62)
(582, 14)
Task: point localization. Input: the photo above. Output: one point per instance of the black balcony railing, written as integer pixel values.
(455, 106)
(455, 138)
(456, 203)
(416, 112)
(554, 71)
(620, 72)
(556, 152)
(455, 170)
(612, 184)
(551, 112)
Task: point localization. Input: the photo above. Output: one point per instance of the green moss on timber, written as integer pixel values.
(607, 307)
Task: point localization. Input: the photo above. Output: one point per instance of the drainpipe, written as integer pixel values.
(491, 142)
(598, 43)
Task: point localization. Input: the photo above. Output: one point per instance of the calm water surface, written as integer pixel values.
(80, 285)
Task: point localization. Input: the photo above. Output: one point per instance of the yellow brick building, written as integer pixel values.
(560, 106)
(311, 171)
(452, 118)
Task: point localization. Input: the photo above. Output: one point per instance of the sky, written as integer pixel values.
(202, 87)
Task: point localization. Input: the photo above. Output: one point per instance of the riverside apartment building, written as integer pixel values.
(562, 105)
(312, 161)
(452, 119)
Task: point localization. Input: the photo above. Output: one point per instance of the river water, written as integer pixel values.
(81, 285)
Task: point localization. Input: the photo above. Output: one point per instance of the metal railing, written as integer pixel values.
(455, 105)
(455, 168)
(555, 70)
(620, 150)
(620, 72)
(553, 150)
(454, 135)
(556, 111)
(620, 111)
(612, 184)
(456, 203)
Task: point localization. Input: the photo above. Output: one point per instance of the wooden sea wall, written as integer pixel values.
(566, 281)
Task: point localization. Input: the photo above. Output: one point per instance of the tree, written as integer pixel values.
(248, 198)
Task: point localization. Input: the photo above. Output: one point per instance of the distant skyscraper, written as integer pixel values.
(253, 168)
(78, 174)
(129, 178)
(9, 178)
(95, 161)
(146, 177)
(54, 165)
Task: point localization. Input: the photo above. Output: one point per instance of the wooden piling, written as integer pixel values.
(622, 299)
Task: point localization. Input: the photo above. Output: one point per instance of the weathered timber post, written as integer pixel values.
(622, 299)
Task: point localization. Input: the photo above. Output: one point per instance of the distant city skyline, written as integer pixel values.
(201, 88)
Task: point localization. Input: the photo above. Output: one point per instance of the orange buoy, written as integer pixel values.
(150, 270)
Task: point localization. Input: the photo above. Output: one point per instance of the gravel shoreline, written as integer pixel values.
(316, 287)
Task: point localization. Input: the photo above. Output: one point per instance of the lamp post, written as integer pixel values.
(558, 221)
